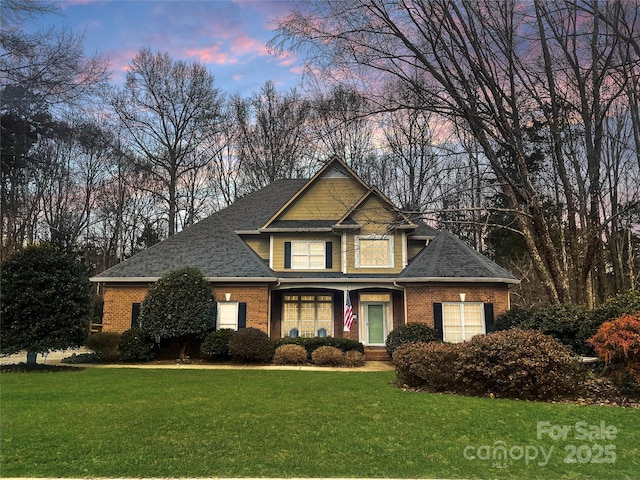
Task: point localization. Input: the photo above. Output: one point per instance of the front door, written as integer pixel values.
(375, 323)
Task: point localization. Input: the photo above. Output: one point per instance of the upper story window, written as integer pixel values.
(308, 254)
(374, 252)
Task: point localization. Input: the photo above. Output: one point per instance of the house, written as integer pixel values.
(285, 258)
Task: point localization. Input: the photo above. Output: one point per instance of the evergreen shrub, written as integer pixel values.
(135, 345)
(251, 345)
(216, 344)
(105, 346)
(411, 332)
(312, 343)
(432, 366)
(354, 358)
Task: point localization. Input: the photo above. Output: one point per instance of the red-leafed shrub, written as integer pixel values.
(618, 341)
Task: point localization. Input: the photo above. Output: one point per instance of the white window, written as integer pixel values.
(308, 254)
(227, 315)
(374, 252)
(307, 315)
(462, 320)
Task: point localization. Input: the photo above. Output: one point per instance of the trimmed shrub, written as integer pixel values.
(354, 358)
(432, 366)
(104, 345)
(135, 345)
(562, 322)
(411, 332)
(328, 356)
(216, 344)
(290, 355)
(251, 345)
(618, 341)
(518, 363)
(312, 343)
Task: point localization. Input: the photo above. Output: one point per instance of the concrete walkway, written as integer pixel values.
(55, 358)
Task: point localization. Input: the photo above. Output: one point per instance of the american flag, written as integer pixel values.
(348, 314)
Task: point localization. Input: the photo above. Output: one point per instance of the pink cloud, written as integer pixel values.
(245, 45)
(211, 55)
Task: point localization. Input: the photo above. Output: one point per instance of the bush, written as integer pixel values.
(514, 364)
(432, 366)
(518, 364)
(104, 345)
(251, 345)
(328, 356)
(411, 332)
(312, 343)
(136, 346)
(290, 355)
(562, 322)
(354, 358)
(614, 307)
(618, 341)
(216, 344)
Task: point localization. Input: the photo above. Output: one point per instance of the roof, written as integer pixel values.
(215, 247)
(447, 258)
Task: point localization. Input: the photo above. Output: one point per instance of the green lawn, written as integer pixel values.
(177, 423)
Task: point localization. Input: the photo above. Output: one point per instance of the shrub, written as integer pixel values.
(104, 345)
(135, 345)
(411, 332)
(519, 364)
(614, 307)
(312, 343)
(328, 356)
(290, 355)
(216, 344)
(432, 366)
(251, 345)
(562, 322)
(353, 358)
(618, 341)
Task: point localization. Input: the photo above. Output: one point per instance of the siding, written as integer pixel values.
(325, 199)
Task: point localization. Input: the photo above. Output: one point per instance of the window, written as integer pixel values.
(231, 315)
(461, 321)
(307, 315)
(308, 254)
(374, 252)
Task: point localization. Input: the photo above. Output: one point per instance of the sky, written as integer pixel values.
(229, 37)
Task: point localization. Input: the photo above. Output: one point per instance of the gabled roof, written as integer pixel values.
(449, 259)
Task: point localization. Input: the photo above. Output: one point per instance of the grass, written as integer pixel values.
(230, 423)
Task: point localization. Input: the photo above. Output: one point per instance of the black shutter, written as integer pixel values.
(135, 313)
(242, 315)
(287, 254)
(437, 320)
(329, 255)
(488, 317)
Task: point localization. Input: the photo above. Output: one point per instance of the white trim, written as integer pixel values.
(343, 247)
(403, 239)
(237, 312)
(271, 252)
(390, 251)
(458, 280)
(307, 255)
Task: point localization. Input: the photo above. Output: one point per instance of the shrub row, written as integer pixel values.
(313, 343)
(134, 345)
(514, 363)
(570, 324)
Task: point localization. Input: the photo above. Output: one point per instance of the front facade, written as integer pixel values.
(285, 258)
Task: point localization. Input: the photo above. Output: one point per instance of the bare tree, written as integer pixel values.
(167, 108)
(272, 141)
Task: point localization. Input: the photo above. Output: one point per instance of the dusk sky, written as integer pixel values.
(227, 36)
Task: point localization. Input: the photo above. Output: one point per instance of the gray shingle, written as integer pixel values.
(448, 257)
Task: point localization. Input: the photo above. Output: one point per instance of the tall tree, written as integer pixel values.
(167, 108)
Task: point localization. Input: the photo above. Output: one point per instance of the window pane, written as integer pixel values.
(374, 252)
(228, 315)
(307, 314)
(307, 254)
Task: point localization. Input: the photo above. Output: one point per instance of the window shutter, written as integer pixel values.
(437, 320)
(135, 313)
(488, 317)
(242, 315)
(287, 254)
(329, 255)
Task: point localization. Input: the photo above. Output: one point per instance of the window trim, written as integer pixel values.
(237, 312)
(462, 305)
(298, 302)
(390, 250)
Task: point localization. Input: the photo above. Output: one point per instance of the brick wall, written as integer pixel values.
(118, 301)
(420, 298)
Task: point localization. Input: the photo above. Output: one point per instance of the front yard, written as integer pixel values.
(214, 423)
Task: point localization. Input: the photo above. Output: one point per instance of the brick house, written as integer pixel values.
(285, 258)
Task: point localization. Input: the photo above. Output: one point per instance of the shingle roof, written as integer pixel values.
(450, 259)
